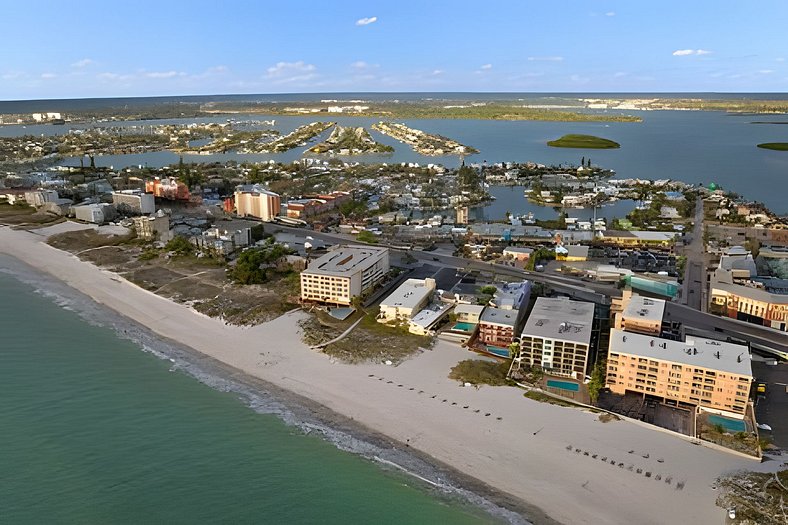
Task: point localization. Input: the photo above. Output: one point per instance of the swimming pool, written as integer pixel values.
(464, 327)
(563, 385)
(730, 425)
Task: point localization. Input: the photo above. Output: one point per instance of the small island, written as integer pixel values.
(422, 142)
(350, 141)
(776, 146)
(583, 141)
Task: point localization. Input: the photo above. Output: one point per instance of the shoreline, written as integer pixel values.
(264, 397)
(512, 451)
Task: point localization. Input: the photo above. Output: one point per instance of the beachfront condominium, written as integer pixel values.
(500, 322)
(407, 300)
(253, 200)
(497, 329)
(557, 337)
(344, 273)
(713, 375)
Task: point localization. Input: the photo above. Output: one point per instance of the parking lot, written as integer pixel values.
(772, 409)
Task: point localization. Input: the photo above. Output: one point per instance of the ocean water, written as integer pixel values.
(94, 430)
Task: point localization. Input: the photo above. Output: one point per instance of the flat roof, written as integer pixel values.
(430, 315)
(518, 249)
(468, 309)
(409, 294)
(695, 351)
(645, 308)
(511, 295)
(751, 292)
(345, 260)
(576, 250)
(560, 318)
(497, 316)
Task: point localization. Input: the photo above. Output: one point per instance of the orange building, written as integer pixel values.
(714, 376)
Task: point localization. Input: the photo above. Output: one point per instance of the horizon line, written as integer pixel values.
(401, 93)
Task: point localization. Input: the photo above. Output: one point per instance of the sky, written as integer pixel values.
(79, 49)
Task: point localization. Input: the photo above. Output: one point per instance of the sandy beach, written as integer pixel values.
(526, 450)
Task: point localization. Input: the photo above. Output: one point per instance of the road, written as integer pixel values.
(694, 289)
(691, 315)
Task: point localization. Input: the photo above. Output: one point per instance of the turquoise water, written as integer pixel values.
(96, 431)
(563, 385)
(731, 425)
(496, 350)
(465, 327)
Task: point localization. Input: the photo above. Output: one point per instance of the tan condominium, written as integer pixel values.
(256, 201)
(635, 313)
(557, 337)
(712, 375)
(344, 273)
(407, 300)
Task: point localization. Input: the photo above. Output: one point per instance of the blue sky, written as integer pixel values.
(143, 48)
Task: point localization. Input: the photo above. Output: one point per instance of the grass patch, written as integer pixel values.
(478, 372)
(373, 341)
(776, 146)
(758, 497)
(544, 398)
(77, 241)
(583, 141)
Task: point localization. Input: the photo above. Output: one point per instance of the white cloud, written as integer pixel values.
(47, 76)
(437, 72)
(486, 66)
(610, 13)
(366, 21)
(546, 59)
(619, 74)
(285, 72)
(82, 63)
(109, 77)
(780, 59)
(687, 52)
(360, 64)
(766, 71)
(578, 79)
(163, 74)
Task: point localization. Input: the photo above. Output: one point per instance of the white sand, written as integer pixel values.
(506, 454)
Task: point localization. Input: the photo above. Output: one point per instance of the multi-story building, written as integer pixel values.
(256, 201)
(135, 200)
(713, 375)
(316, 204)
(153, 227)
(407, 300)
(511, 296)
(497, 329)
(737, 292)
(557, 337)
(635, 313)
(37, 198)
(344, 273)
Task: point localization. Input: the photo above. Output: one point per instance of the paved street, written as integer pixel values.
(694, 288)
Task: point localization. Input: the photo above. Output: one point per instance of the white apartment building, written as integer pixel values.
(557, 337)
